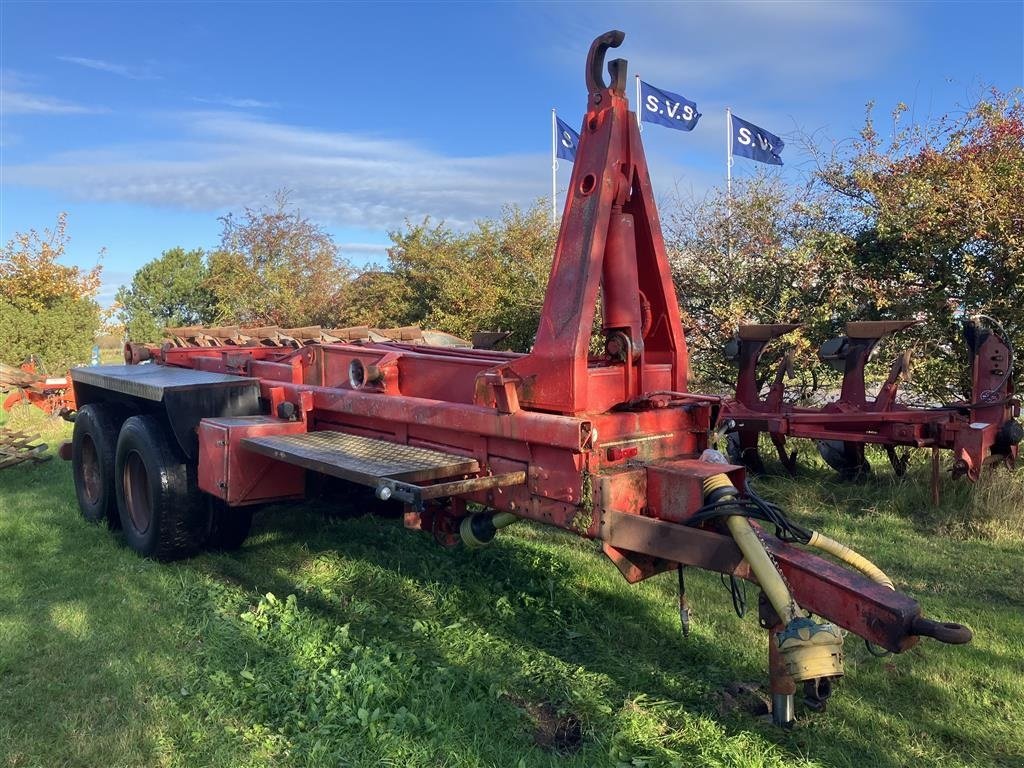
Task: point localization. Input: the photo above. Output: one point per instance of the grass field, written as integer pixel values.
(345, 640)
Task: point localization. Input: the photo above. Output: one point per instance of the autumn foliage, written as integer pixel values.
(47, 309)
(768, 257)
(491, 277)
(935, 220)
(925, 222)
(274, 266)
(31, 276)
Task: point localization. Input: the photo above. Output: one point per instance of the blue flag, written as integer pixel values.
(756, 143)
(666, 108)
(568, 141)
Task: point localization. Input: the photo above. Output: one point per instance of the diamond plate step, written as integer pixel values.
(365, 460)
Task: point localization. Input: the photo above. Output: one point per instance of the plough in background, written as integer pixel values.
(981, 431)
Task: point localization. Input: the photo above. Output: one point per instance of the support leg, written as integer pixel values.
(684, 605)
(780, 684)
(788, 459)
(899, 463)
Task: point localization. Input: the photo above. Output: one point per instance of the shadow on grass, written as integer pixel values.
(534, 626)
(610, 631)
(71, 689)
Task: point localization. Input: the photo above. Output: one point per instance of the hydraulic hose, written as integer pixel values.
(810, 650)
(851, 558)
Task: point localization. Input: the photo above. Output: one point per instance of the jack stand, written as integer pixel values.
(781, 685)
(782, 709)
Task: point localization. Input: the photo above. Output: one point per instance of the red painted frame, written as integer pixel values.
(609, 443)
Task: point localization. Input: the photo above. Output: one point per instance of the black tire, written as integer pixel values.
(749, 458)
(163, 513)
(93, 450)
(846, 458)
(229, 526)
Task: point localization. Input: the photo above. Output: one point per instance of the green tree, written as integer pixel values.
(492, 277)
(276, 267)
(523, 245)
(934, 218)
(377, 298)
(47, 309)
(167, 291)
(769, 257)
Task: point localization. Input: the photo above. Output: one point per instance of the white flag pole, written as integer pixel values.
(728, 175)
(554, 167)
(639, 125)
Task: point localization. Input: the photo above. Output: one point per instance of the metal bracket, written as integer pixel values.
(415, 495)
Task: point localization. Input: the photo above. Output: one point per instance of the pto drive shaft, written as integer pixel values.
(809, 649)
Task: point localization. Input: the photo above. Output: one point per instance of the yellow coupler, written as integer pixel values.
(809, 649)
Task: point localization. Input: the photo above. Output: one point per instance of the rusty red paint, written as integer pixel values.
(238, 476)
(607, 446)
(969, 429)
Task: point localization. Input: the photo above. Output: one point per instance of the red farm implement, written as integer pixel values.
(273, 336)
(610, 447)
(981, 431)
(51, 394)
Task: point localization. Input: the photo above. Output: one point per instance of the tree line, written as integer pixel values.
(924, 221)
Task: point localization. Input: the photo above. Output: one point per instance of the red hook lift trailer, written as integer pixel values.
(610, 447)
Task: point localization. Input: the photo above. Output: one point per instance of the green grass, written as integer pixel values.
(331, 640)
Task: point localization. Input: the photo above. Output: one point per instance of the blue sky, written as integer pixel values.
(146, 121)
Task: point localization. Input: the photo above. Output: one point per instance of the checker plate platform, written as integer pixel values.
(365, 460)
(152, 382)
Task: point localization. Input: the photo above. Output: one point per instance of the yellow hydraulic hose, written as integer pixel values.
(809, 649)
(851, 558)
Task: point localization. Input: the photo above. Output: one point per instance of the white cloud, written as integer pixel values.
(21, 103)
(18, 96)
(363, 248)
(228, 101)
(765, 48)
(121, 70)
(228, 160)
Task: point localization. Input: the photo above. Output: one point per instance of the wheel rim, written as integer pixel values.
(136, 492)
(92, 478)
